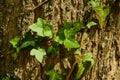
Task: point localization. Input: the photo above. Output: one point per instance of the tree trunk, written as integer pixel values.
(17, 15)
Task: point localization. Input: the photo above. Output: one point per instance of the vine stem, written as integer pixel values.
(69, 74)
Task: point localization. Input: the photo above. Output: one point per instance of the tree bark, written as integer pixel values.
(17, 15)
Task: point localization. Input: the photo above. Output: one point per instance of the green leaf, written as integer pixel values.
(39, 30)
(47, 31)
(7, 78)
(77, 26)
(27, 43)
(61, 33)
(16, 52)
(57, 39)
(54, 75)
(87, 57)
(28, 37)
(104, 13)
(69, 33)
(100, 11)
(94, 4)
(91, 23)
(80, 71)
(84, 65)
(38, 53)
(71, 43)
(15, 56)
(87, 62)
(67, 25)
(77, 52)
(80, 68)
(53, 49)
(102, 18)
(15, 41)
(40, 22)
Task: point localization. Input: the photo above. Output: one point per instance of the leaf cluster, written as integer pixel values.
(66, 34)
(33, 41)
(101, 11)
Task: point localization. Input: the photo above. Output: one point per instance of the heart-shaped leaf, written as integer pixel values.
(69, 33)
(38, 53)
(71, 43)
(15, 41)
(39, 30)
(40, 22)
(47, 31)
(54, 75)
(57, 39)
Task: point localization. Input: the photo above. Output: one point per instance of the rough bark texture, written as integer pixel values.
(17, 15)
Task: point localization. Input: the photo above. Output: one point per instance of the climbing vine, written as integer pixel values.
(66, 36)
(41, 32)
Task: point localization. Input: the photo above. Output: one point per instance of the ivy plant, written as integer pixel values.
(42, 31)
(101, 11)
(66, 35)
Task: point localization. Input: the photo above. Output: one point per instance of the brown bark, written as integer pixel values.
(17, 15)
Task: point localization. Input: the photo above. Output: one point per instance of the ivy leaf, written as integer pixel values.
(61, 33)
(94, 4)
(80, 67)
(77, 52)
(36, 28)
(69, 33)
(38, 53)
(77, 26)
(100, 11)
(41, 28)
(87, 62)
(70, 43)
(91, 23)
(40, 22)
(104, 13)
(57, 39)
(84, 65)
(67, 25)
(27, 43)
(15, 41)
(53, 49)
(54, 75)
(87, 57)
(48, 31)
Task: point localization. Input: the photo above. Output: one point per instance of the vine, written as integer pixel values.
(66, 36)
(41, 33)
